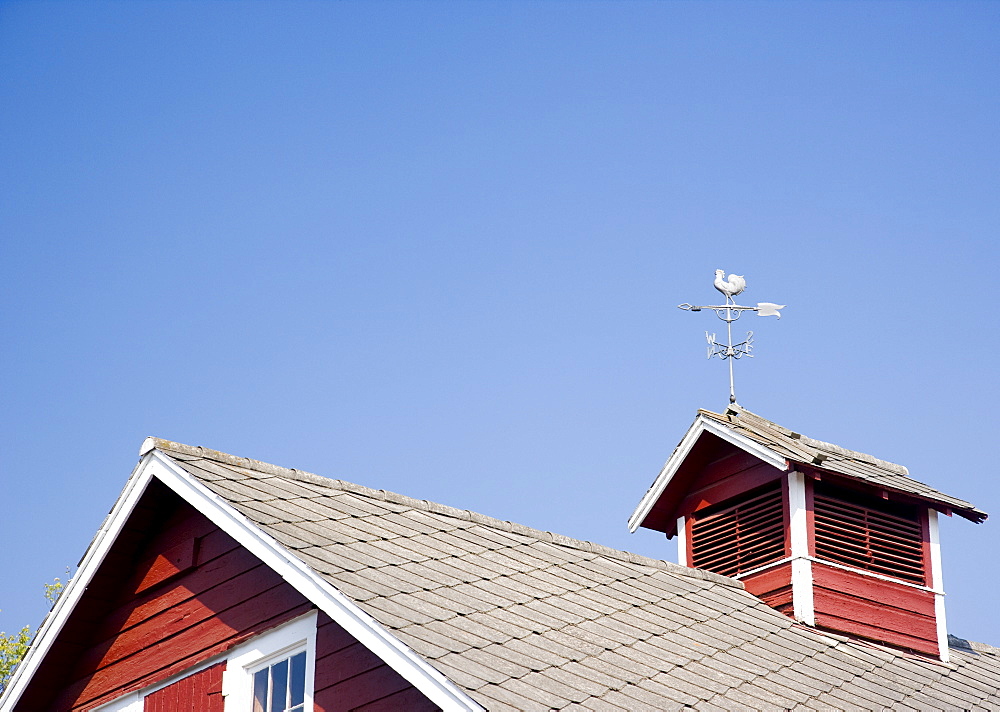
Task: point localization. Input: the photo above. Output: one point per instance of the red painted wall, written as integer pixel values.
(176, 591)
(726, 479)
(351, 677)
(200, 692)
(880, 610)
(856, 604)
(773, 586)
(713, 471)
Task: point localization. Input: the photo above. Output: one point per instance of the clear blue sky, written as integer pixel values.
(438, 248)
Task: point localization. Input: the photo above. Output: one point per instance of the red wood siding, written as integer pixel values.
(351, 677)
(175, 560)
(200, 692)
(773, 586)
(176, 591)
(861, 605)
(728, 478)
(713, 471)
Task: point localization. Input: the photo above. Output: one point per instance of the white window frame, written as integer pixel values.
(281, 642)
(241, 662)
(131, 702)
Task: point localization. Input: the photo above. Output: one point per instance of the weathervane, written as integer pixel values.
(730, 312)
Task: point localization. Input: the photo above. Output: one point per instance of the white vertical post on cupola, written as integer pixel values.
(798, 534)
(682, 542)
(937, 583)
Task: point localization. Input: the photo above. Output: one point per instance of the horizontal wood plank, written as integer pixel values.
(199, 692)
(409, 699)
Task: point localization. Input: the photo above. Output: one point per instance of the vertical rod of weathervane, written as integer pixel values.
(729, 348)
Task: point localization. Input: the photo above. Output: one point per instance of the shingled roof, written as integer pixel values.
(522, 619)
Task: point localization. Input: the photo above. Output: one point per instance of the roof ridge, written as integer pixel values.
(198, 451)
(822, 444)
(959, 643)
(857, 455)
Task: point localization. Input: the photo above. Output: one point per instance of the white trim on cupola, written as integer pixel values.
(682, 542)
(803, 603)
(937, 582)
(701, 425)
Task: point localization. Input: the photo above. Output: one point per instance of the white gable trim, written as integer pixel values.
(369, 632)
(680, 453)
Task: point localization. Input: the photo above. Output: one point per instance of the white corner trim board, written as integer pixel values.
(701, 425)
(799, 533)
(682, 543)
(937, 583)
(803, 603)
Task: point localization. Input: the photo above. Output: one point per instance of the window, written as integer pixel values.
(274, 671)
(129, 703)
(281, 686)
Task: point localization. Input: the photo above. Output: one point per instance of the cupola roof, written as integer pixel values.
(775, 444)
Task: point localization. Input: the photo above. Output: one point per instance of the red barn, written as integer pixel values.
(219, 583)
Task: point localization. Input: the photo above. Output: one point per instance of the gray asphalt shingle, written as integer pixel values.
(835, 459)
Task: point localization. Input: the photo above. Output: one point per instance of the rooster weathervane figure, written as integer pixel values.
(730, 312)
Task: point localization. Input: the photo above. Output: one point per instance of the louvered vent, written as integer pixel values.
(741, 537)
(869, 534)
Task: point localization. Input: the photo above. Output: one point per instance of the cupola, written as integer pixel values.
(833, 538)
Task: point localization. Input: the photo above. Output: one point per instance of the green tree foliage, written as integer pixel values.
(12, 649)
(14, 646)
(52, 591)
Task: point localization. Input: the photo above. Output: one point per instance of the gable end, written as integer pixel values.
(156, 466)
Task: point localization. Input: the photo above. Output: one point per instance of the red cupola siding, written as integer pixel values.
(830, 537)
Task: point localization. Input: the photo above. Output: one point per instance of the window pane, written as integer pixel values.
(297, 683)
(260, 691)
(279, 683)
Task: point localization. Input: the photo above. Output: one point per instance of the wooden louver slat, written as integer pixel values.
(869, 535)
(741, 537)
